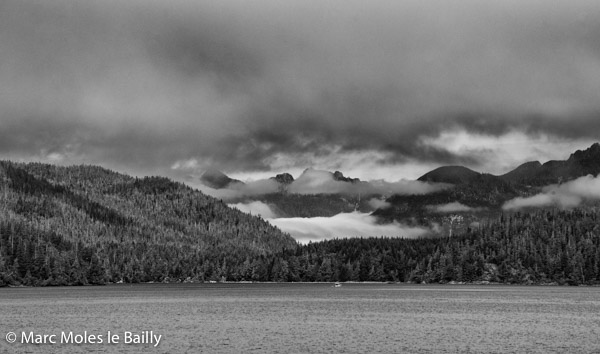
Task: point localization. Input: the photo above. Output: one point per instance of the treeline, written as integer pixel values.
(561, 247)
(88, 225)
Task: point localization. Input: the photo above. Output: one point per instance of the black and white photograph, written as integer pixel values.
(299, 176)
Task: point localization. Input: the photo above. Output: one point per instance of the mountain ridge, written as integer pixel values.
(480, 195)
(521, 173)
(473, 190)
(579, 163)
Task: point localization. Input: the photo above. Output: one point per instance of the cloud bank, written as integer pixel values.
(238, 190)
(256, 208)
(377, 203)
(315, 182)
(566, 195)
(139, 85)
(454, 207)
(343, 225)
(321, 182)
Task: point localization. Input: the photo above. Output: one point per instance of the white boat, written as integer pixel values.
(337, 284)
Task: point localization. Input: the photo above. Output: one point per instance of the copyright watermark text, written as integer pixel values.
(70, 337)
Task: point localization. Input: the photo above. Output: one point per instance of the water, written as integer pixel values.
(307, 318)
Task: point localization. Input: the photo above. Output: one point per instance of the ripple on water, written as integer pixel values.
(311, 318)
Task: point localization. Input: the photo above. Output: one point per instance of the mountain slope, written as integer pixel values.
(479, 196)
(450, 174)
(217, 180)
(523, 173)
(85, 224)
(580, 163)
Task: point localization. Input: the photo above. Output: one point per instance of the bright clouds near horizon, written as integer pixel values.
(343, 225)
(322, 182)
(316, 181)
(567, 195)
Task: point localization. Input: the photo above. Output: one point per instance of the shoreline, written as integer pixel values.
(452, 283)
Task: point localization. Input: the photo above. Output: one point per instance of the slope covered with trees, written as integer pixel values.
(86, 224)
(547, 246)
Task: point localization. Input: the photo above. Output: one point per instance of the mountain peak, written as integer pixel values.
(450, 174)
(216, 179)
(213, 173)
(338, 176)
(283, 178)
(591, 153)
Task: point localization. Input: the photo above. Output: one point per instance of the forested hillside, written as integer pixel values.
(547, 246)
(89, 225)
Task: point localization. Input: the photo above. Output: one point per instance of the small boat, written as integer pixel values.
(337, 284)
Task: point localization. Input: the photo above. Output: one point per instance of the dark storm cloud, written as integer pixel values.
(143, 84)
(197, 51)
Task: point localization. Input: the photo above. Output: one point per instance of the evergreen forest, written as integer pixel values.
(85, 225)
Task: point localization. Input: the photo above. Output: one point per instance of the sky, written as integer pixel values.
(377, 89)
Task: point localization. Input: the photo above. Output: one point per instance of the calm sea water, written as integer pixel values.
(305, 318)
